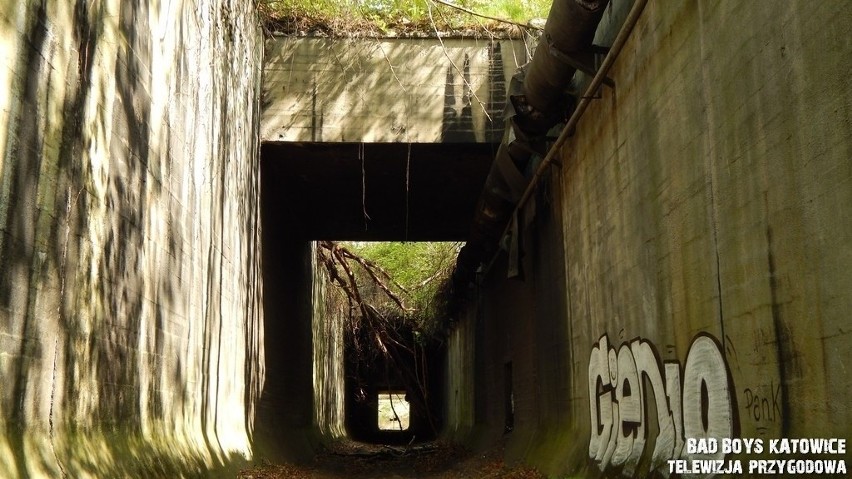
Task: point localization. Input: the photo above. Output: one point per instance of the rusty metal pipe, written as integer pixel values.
(539, 99)
(598, 79)
(570, 30)
(550, 84)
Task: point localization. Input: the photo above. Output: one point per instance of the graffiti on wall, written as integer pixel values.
(632, 393)
(763, 404)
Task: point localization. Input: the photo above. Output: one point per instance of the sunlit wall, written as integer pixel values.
(129, 271)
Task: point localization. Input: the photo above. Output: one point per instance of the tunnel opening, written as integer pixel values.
(393, 411)
(327, 376)
(395, 297)
(410, 373)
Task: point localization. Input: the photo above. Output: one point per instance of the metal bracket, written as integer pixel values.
(586, 61)
(596, 96)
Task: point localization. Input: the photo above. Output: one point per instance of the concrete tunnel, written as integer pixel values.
(657, 240)
(451, 189)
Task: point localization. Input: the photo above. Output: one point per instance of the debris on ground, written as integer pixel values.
(436, 460)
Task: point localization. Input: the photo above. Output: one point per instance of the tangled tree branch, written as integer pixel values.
(377, 328)
(382, 331)
(340, 255)
(488, 17)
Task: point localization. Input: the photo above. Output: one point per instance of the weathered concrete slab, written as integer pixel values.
(687, 272)
(129, 290)
(387, 90)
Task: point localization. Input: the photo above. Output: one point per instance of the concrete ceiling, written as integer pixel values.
(316, 189)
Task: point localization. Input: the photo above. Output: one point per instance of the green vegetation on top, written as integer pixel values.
(346, 17)
(420, 273)
(388, 285)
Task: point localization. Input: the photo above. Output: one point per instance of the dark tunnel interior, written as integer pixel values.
(357, 192)
(416, 377)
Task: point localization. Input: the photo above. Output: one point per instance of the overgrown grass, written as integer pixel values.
(346, 17)
(421, 274)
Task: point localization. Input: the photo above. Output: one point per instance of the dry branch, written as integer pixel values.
(476, 14)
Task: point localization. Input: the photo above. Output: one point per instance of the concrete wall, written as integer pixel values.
(697, 234)
(328, 323)
(387, 90)
(301, 401)
(129, 270)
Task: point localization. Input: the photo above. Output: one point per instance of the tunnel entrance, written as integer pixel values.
(393, 411)
(395, 298)
(326, 371)
(381, 389)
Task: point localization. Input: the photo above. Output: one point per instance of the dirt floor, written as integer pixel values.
(425, 461)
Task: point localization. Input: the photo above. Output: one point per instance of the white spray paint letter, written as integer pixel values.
(623, 382)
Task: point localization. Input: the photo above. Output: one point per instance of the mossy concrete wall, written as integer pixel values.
(696, 233)
(129, 270)
(328, 321)
(387, 90)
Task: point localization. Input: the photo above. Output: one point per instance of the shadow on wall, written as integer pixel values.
(429, 91)
(129, 268)
(329, 320)
(457, 125)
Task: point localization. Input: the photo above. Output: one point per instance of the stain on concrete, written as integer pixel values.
(387, 90)
(129, 241)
